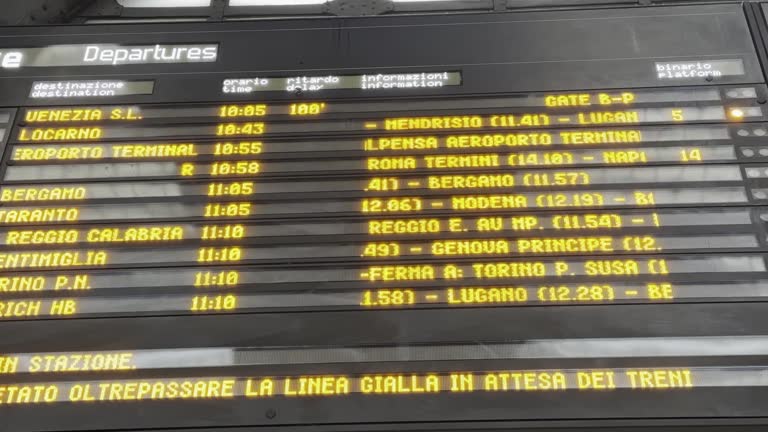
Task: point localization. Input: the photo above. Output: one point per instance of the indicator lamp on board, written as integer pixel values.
(741, 113)
(736, 113)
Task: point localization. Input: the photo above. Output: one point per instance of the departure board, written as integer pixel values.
(399, 222)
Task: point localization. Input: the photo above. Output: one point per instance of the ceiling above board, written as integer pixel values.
(47, 12)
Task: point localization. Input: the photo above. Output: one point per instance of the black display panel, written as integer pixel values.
(395, 222)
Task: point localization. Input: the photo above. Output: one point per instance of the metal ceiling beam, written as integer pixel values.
(359, 7)
(111, 9)
(41, 12)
